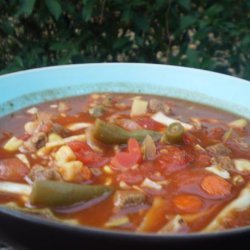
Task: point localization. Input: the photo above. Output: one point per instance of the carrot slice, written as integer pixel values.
(188, 203)
(215, 185)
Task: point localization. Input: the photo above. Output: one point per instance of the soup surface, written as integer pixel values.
(128, 162)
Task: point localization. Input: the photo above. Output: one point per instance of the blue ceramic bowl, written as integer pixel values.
(22, 89)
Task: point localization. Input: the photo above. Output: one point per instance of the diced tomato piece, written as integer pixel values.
(148, 123)
(130, 177)
(12, 169)
(216, 133)
(174, 159)
(135, 149)
(202, 160)
(86, 155)
(24, 137)
(130, 158)
(190, 139)
(78, 146)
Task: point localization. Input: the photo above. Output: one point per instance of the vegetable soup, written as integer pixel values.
(139, 163)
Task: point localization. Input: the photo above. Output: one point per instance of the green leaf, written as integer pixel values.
(187, 21)
(120, 43)
(87, 10)
(127, 16)
(26, 7)
(214, 10)
(185, 4)
(192, 57)
(54, 8)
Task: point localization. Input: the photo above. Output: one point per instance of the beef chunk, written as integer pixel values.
(128, 198)
(36, 141)
(218, 149)
(226, 162)
(39, 173)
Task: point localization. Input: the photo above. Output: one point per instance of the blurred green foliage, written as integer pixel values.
(213, 35)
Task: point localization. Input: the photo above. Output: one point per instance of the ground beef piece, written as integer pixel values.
(128, 198)
(40, 173)
(36, 141)
(226, 162)
(218, 149)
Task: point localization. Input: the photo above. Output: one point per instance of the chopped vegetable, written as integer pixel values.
(216, 186)
(64, 154)
(117, 221)
(54, 137)
(154, 216)
(174, 133)
(149, 148)
(32, 111)
(130, 158)
(240, 123)
(242, 165)
(216, 169)
(97, 111)
(151, 184)
(78, 125)
(238, 180)
(23, 158)
(12, 169)
(107, 169)
(188, 203)
(44, 212)
(227, 135)
(53, 193)
(86, 155)
(15, 188)
(74, 171)
(91, 140)
(50, 145)
(30, 127)
(240, 204)
(13, 144)
(165, 120)
(175, 225)
(139, 107)
(112, 134)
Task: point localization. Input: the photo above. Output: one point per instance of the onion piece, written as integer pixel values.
(216, 169)
(91, 141)
(240, 204)
(166, 120)
(239, 123)
(242, 165)
(15, 188)
(66, 140)
(78, 125)
(151, 184)
(117, 221)
(149, 148)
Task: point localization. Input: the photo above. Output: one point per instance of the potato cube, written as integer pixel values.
(13, 144)
(64, 154)
(74, 171)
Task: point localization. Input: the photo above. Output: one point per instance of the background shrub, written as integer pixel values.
(213, 35)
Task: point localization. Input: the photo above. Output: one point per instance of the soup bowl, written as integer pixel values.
(22, 89)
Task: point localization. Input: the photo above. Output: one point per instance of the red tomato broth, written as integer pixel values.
(179, 165)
